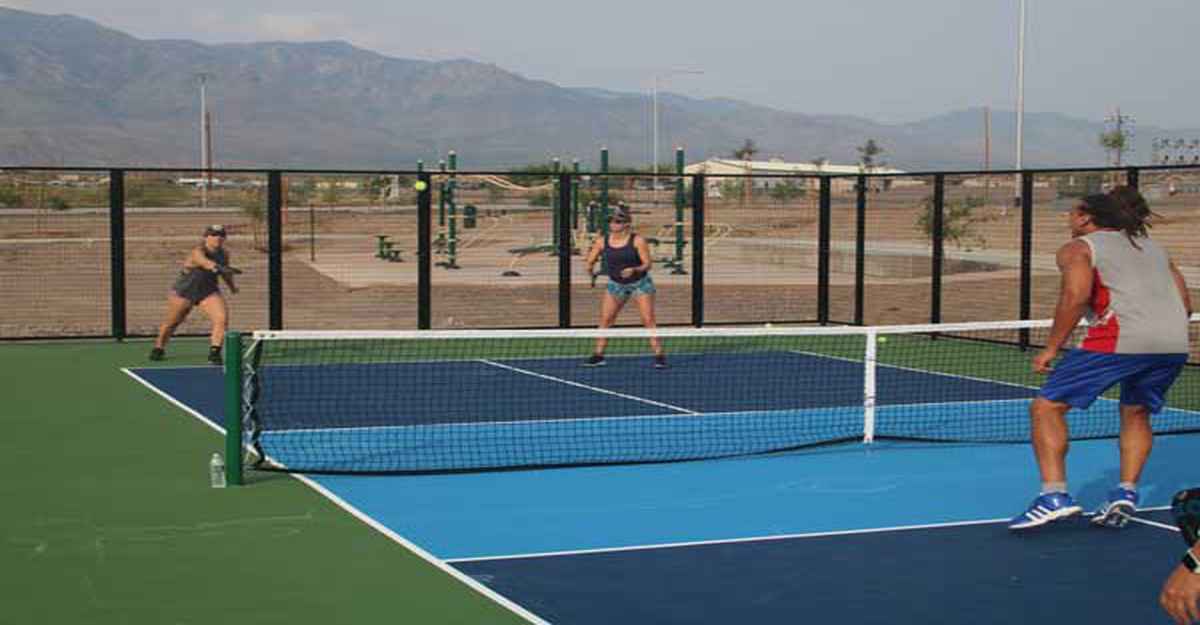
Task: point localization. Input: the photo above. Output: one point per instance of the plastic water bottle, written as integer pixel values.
(216, 470)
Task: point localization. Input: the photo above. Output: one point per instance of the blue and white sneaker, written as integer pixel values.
(1046, 508)
(1115, 512)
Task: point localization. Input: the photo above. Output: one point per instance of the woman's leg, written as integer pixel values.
(177, 310)
(645, 305)
(214, 307)
(610, 307)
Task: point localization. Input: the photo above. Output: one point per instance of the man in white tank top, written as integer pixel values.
(1137, 305)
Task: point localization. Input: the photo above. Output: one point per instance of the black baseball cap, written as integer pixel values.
(620, 213)
(216, 229)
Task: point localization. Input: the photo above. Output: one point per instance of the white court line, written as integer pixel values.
(768, 538)
(441, 565)
(1162, 526)
(589, 387)
(915, 370)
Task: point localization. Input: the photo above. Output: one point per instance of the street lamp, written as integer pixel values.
(205, 139)
(1020, 101)
(658, 76)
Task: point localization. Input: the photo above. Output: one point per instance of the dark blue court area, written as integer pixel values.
(890, 532)
(977, 574)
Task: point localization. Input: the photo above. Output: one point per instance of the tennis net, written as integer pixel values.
(480, 400)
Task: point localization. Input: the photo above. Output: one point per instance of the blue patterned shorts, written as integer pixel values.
(644, 286)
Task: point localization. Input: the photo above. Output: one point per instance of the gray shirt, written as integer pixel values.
(1135, 306)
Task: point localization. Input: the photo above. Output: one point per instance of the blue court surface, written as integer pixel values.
(891, 532)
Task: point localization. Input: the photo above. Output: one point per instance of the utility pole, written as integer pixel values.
(205, 139)
(987, 155)
(1020, 106)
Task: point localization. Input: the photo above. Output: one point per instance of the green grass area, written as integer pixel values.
(109, 517)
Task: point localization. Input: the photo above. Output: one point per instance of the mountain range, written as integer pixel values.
(76, 93)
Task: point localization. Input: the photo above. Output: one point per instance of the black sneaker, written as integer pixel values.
(157, 354)
(660, 362)
(595, 360)
(214, 356)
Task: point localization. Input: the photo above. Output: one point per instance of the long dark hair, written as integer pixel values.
(1122, 209)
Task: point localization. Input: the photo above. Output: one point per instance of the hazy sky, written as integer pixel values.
(890, 61)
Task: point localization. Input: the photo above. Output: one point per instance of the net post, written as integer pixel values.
(939, 240)
(565, 244)
(823, 250)
(698, 186)
(275, 248)
(860, 249)
(1026, 302)
(870, 356)
(233, 408)
(116, 236)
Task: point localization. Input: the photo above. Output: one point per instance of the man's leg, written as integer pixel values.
(1137, 439)
(1048, 420)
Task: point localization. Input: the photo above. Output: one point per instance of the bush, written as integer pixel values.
(9, 197)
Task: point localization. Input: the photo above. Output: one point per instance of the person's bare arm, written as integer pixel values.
(1181, 284)
(198, 259)
(1075, 264)
(1180, 596)
(593, 255)
(228, 275)
(643, 250)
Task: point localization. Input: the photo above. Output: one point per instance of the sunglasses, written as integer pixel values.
(618, 221)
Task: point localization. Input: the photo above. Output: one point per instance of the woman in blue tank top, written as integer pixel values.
(197, 287)
(627, 258)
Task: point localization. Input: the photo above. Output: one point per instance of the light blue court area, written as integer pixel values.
(823, 490)
(888, 532)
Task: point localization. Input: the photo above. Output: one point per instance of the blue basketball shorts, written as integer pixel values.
(1081, 376)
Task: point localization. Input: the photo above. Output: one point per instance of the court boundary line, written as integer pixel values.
(767, 538)
(363, 517)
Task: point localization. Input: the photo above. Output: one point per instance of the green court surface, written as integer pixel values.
(109, 517)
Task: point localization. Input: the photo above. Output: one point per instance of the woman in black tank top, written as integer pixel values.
(627, 260)
(197, 286)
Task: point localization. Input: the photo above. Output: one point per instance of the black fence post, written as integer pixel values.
(424, 251)
(823, 249)
(566, 247)
(1026, 253)
(116, 236)
(275, 248)
(1131, 177)
(698, 187)
(939, 239)
(860, 249)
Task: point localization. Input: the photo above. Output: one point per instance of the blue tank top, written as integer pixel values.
(617, 259)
